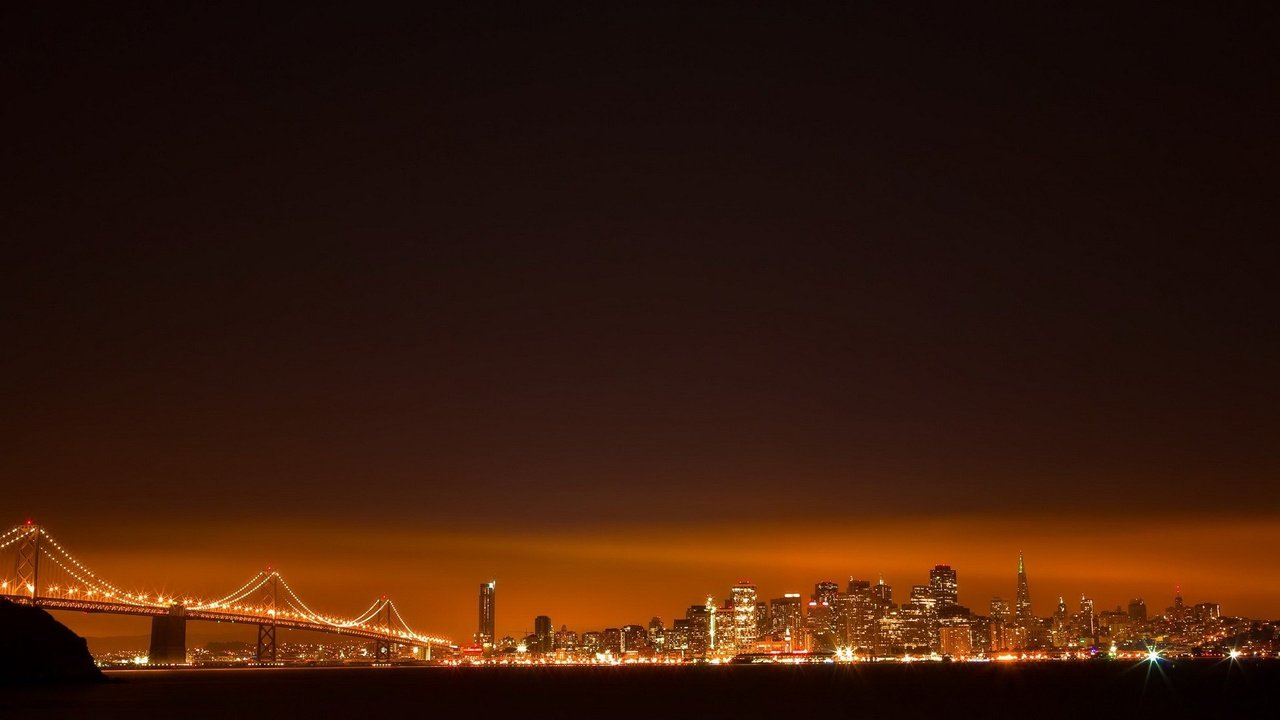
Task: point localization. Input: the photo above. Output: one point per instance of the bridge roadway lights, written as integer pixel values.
(169, 638)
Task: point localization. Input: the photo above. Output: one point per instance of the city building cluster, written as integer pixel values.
(864, 621)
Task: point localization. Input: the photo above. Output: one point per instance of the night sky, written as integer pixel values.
(620, 307)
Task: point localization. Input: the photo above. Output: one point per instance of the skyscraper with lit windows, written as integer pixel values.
(745, 630)
(698, 618)
(484, 635)
(787, 613)
(942, 583)
(1022, 607)
(883, 594)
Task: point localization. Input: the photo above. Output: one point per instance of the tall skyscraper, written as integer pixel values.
(543, 634)
(745, 630)
(920, 620)
(1088, 620)
(1022, 608)
(883, 594)
(999, 609)
(484, 636)
(787, 613)
(942, 581)
(1178, 610)
(859, 617)
(699, 632)
(657, 634)
(825, 592)
(1138, 610)
(676, 638)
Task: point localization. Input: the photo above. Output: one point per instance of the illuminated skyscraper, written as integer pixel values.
(484, 636)
(676, 638)
(825, 592)
(1022, 608)
(883, 594)
(611, 640)
(699, 629)
(889, 633)
(1088, 621)
(787, 613)
(657, 634)
(820, 627)
(566, 639)
(743, 602)
(942, 581)
(1061, 627)
(920, 620)
(956, 641)
(999, 609)
(859, 617)
(635, 638)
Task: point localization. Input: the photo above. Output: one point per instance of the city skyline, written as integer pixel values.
(861, 620)
(938, 584)
(620, 306)
(662, 577)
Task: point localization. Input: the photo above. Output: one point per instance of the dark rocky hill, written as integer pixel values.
(35, 648)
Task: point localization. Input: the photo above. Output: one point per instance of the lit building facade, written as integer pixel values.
(956, 641)
(485, 633)
(698, 619)
(787, 615)
(920, 621)
(943, 585)
(743, 602)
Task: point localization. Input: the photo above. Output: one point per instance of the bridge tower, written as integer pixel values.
(27, 565)
(382, 646)
(169, 637)
(267, 630)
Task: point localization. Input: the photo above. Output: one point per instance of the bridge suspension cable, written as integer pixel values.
(257, 581)
(302, 607)
(66, 583)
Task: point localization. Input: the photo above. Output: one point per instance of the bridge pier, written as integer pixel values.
(169, 638)
(266, 650)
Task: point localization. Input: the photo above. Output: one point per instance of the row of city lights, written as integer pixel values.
(230, 603)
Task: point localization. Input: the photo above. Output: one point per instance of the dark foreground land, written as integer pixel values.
(1040, 690)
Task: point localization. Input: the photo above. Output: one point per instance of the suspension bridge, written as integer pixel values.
(38, 571)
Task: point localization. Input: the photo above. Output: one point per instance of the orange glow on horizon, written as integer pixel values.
(595, 578)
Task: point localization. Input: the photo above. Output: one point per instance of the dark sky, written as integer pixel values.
(519, 267)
